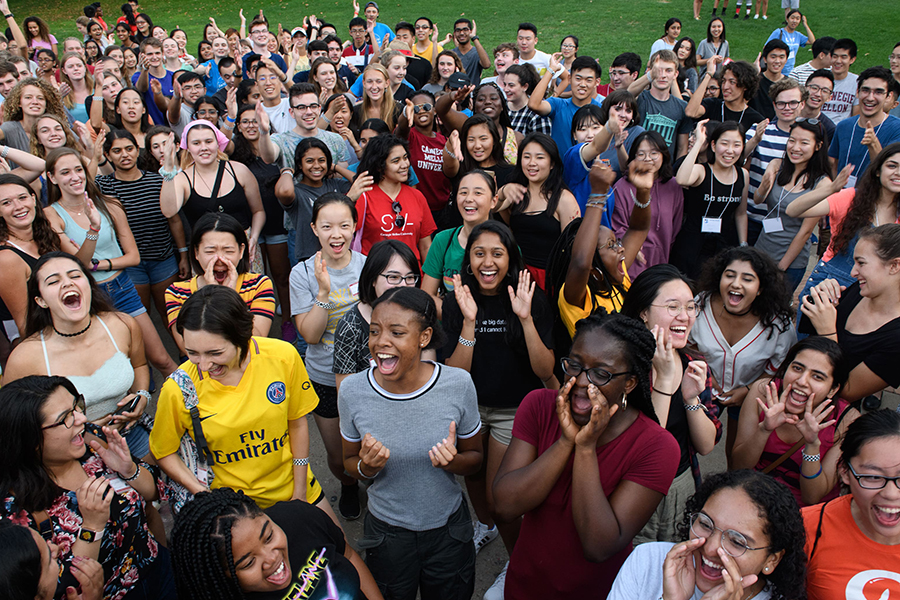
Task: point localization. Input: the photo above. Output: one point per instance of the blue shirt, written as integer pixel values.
(846, 146)
(152, 110)
(795, 41)
(380, 30)
(562, 110)
(213, 79)
(575, 171)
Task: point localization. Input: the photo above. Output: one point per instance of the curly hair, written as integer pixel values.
(37, 148)
(46, 239)
(639, 346)
(375, 156)
(783, 525)
(12, 106)
(553, 187)
(201, 544)
(773, 303)
(862, 209)
(747, 76)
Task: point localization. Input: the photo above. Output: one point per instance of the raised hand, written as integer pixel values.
(170, 156)
(408, 111)
(813, 420)
(514, 192)
(362, 184)
(601, 413)
(700, 133)
(461, 94)
(666, 363)
(564, 413)
(773, 408)
(355, 6)
(601, 176)
(464, 299)
(714, 61)
(679, 574)
(842, 178)
(443, 453)
(474, 29)
(760, 130)
(694, 381)
(64, 89)
(91, 212)
(434, 34)
(555, 59)
(453, 146)
(130, 418)
(262, 117)
(116, 455)
(94, 497)
(821, 308)
(156, 88)
(322, 276)
(521, 297)
(640, 176)
(374, 454)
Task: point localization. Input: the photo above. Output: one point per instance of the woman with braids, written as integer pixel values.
(865, 317)
(744, 327)
(488, 100)
(225, 547)
(88, 498)
(741, 537)
(854, 539)
(661, 297)
(253, 395)
(798, 414)
(875, 200)
(587, 465)
(418, 532)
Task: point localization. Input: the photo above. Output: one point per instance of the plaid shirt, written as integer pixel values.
(526, 120)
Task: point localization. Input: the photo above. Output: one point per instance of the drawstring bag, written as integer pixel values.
(194, 452)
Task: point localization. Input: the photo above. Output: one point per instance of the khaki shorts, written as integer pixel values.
(499, 421)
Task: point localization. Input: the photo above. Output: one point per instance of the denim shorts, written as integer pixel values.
(151, 272)
(123, 295)
(138, 440)
(272, 240)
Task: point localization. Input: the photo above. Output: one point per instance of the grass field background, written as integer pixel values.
(605, 28)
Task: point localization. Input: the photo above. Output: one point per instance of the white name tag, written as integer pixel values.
(354, 289)
(711, 225)
(203, 476)
(117, 483)
(773, 225)
(851, 182)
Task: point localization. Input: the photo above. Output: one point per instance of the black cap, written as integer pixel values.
(458, 80)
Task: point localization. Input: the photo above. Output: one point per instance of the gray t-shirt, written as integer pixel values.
(15, 137)
(776, 244)
(287, 141)
(667, 118)
(471, 64)
(707, 50)
(300, 213)
(642, 575)
(409, 492)
(344, 294)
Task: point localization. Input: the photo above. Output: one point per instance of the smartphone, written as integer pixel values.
(95, 431)
(128, 407)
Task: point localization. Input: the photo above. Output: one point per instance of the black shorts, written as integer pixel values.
(327, 408)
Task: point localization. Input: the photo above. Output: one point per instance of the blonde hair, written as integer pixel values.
(388, 106)
(12, 108)
(69, 99)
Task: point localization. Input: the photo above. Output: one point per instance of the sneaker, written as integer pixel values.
(288, 333)
(765, 18)
(495, 592)
(348, 505)
(747, 16)
(484, 535)
(737, 14)
(755, 17)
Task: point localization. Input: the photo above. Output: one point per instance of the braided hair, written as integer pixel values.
(638, 344)
(201, 544)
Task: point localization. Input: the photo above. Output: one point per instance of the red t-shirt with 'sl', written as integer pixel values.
(548, 560)
(380, 221)
(426, 157)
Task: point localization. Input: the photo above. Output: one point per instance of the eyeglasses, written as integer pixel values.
(791, 104)
(568, 46)
(733, 542)
(712, 88)
(619, 73)
(420, 107)
(866, 91)
(675, 308)
(819, 89)
(613, 244)
(247, 122)
(461, 30)
(304, 107)
(399, 219)
(872, 482)
(652, 155)
(597, 376)
(260, 32)
(68, 417)
(396, 278)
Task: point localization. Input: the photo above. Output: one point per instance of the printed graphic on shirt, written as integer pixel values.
(873, 584)
(663, 125)
(316, 581)
(276, 392)
(432, 159)
(252, 444)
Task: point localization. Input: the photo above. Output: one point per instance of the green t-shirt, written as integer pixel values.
(445, 257)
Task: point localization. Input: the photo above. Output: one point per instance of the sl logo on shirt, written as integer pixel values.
(276, 393)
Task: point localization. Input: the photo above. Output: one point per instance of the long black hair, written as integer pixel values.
(817, 166)
(783, 524)
(666, 171)
(201, 544)
(307, 144)
(773, 303)
(375, 156)
(470, 163)
(840, 369)
(380, 255)
(145, 118)
(555, 184)
(645, 288)
(224, 223)
(20, 562)
(639, 346)
(422, 304)
(22, 470)
(218, 310)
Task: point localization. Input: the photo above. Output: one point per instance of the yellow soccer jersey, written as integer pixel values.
(245, 426)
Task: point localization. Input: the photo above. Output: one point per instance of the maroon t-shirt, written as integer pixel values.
(426, 156)
(548, 560)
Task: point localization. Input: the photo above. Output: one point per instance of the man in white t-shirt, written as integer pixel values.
(505, 56)
(843, 102)
(278, 108)
(526, 40)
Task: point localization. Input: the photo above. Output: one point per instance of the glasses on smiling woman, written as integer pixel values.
(872, 482)
(733, 542)
(68, 417)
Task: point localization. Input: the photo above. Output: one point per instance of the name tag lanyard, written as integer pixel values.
(712, 195)
(740, 118)
(850, 147)
(777, 210)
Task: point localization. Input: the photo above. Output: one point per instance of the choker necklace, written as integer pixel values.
(76, 334)
(11, 234)
(743, 314)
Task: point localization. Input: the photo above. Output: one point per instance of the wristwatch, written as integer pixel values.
(474, 38)
(94, 263)
(86, 535)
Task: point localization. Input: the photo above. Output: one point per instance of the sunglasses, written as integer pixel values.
(399, 219)
(420, 107)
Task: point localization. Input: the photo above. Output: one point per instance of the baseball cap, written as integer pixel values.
(401, 47)
(368, 4)
(298, 30)
(458, 80)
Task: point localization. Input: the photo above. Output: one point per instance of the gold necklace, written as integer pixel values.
(70, 209)
(21, 239)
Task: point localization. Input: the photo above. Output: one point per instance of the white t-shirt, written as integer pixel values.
(540, 61)
(843, 99)
(642, 575)
(280, 116)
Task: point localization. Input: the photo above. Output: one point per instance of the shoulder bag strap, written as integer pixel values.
(777, 463)
(189, 393)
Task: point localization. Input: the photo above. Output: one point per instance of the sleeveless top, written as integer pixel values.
(511, 147)
(5, 315)
(107, 246)
(234, 202)
(536, 233)
(103, 388)
(267, 175)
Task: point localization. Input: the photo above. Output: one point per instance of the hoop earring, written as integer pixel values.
(624, 401)
(469, 269)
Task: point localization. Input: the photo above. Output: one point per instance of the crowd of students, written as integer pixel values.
(534, 294)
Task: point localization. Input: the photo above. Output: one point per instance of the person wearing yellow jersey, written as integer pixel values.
(588, 265)
(253, 397)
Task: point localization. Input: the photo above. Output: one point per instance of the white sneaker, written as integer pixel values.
(755, 17)
(495, 592)
(765, 18)
(484, 535)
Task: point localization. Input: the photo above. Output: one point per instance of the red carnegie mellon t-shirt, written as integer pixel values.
(380, 221)
(548, 560)
(426, 156)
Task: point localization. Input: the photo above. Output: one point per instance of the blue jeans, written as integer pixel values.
(123, 294)
(151, 272)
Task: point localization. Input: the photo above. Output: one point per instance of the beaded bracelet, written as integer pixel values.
(137, 472)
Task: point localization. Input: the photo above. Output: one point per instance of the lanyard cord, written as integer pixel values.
(712, 196)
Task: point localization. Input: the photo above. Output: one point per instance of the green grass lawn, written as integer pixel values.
(605, 27)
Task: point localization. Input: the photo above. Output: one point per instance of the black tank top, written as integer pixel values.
(233, 203)
(5, 315)
(536, 233)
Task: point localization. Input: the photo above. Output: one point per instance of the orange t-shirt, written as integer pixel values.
(847, 565)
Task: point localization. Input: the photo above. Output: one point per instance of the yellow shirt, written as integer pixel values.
(429, 53)
(572, 314)
(246, 426)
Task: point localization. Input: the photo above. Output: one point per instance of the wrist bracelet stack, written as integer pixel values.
(169, 175)
(597, 200)
(638, 204)
(137, 471)
(466, 343)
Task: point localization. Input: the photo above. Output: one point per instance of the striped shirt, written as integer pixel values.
(256, 291)
(771, 146)
(140, 200)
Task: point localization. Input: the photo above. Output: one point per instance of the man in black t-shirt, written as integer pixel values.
(739, 84)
